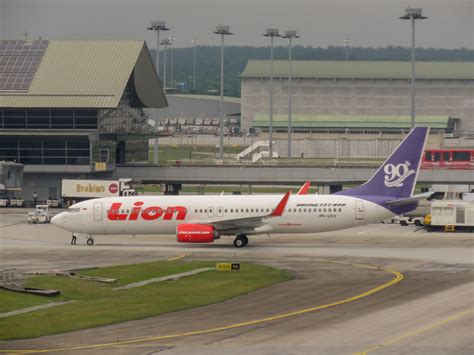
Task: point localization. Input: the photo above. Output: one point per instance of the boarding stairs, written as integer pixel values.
(258, 150)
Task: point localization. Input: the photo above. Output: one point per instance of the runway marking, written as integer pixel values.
(177, 257)
(398, 277)
(416, 331)
(368, 230)
(11, 225)
(32, 309)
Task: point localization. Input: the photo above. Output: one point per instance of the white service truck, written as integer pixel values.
(451, 216)
(40, 215)
(79, 190)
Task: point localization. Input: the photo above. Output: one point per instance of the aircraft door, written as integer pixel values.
(220, 212)
(97, 210)
(210, 212)
(359, 210)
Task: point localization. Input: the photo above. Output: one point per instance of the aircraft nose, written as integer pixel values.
(58, 219)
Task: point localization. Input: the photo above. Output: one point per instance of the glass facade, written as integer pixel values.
(68, 145)
(48, 119)
(46, 150)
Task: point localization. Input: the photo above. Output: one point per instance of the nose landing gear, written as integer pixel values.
(90, 240)
(240, 241)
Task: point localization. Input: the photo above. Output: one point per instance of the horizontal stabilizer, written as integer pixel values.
(409, 200)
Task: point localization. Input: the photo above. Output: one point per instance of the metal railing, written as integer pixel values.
(316, 162)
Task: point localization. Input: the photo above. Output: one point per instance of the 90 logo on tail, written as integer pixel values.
(395, 175)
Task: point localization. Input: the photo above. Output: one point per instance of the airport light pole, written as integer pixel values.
(272, 33)
(412, 14)
(223, 31)
(172, 60)
(157, 26)
(166, 42)
(347, 45)
(194, 41)
(290, 35)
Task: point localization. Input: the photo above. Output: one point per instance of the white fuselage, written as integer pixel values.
(162, 214)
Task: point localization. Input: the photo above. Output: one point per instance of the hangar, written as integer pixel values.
(368, 97)
(75, 108)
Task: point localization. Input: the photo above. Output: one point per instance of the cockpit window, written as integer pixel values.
(73, 210)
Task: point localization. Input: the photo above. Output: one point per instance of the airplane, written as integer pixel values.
(198, 219)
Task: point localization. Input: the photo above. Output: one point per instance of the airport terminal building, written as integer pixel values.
(364, 97)
(200, 114)
(75, 108)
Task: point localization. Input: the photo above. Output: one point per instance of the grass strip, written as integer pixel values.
(97, 304)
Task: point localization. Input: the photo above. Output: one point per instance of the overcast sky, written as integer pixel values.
(319, 22)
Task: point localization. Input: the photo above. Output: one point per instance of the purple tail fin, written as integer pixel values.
(397, 176)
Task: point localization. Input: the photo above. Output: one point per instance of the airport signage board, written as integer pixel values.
(227, 266)
(90, 188)
(100, 166)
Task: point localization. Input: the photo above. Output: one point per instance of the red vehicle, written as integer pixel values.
(456, 159)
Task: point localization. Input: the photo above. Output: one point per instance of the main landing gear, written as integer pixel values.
(240, 241)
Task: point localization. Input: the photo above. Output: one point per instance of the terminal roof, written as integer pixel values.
(359, 69)
(88, 74)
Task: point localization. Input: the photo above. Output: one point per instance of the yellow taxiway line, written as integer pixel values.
(397, 278)
(177, 257)
(416, 331)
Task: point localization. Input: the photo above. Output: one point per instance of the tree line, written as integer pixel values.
(236, 57)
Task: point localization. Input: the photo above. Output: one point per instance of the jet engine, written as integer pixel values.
(196, 233)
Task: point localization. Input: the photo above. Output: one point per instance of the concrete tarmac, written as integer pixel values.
(431, 311)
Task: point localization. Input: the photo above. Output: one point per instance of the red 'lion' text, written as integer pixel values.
(148, 213)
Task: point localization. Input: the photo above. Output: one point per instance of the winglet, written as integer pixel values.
(304, 189)
(278, 211)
